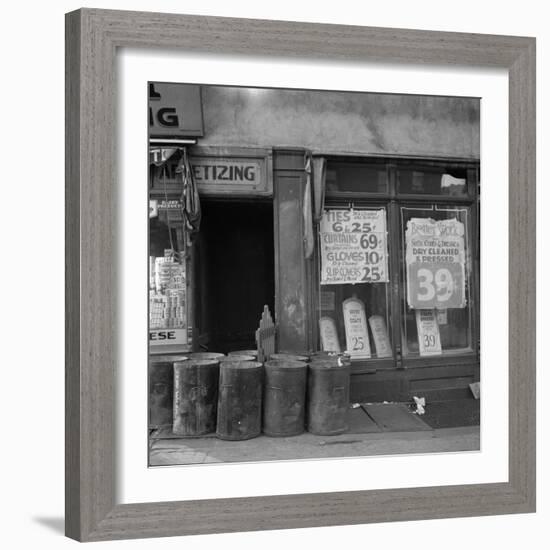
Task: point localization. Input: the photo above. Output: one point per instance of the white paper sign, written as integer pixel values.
(380, 336)
(355, 322)
(353, 247)
(329, 334)
(435, 264)
(429, 342)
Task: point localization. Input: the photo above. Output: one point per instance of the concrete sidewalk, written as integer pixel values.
(377, 433)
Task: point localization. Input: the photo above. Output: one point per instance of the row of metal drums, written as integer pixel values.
(237, 397)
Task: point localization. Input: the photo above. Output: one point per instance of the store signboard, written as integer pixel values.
(168, 336)
(353, 246)
(355, 323)
(175, 110)
(429, 341)
(218, 175)
(435, 264)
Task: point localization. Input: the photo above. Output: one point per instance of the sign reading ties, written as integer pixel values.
(353, 247)
(435, 264)
(355, 323)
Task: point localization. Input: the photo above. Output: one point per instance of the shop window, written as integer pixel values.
(354, 300)
(436, 276)
(432, 181)
(426, 306)
(352, 177)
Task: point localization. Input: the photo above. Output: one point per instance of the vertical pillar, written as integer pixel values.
(291, 286)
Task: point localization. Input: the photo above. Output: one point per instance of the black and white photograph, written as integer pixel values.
(313, 274)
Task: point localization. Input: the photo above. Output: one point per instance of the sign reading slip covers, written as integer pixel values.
(353, 247)
(435, 264)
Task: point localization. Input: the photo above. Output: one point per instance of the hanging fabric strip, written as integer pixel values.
(319, 178)
(309, 240)
(190, 196)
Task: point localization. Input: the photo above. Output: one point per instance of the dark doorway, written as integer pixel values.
(235, 272)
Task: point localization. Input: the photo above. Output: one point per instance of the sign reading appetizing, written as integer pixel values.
(216, 171)
(435, 264)
(353, 247)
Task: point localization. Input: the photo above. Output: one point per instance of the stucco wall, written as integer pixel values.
(331, 122)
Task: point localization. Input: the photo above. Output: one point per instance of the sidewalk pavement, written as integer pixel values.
(386, 430)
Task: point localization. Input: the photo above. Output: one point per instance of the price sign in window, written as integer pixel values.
(354, 290)
(437, 279)
(353, 246)
(435, 263)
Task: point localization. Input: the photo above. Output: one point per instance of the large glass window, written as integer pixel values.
(436, 180)
(436, 277)
(420, 220)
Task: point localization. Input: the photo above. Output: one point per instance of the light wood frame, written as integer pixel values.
(92, 39)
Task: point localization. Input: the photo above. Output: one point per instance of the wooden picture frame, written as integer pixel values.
(92, 39)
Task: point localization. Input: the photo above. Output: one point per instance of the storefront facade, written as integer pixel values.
(353, 218)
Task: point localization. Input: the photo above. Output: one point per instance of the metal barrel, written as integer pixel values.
(284, 397)
(253, 352)
(195, 396)
(289, 357)
(240, 400)
(161, 389)
(328, 398)
(320, 355)
(205, 355)
(235, 357)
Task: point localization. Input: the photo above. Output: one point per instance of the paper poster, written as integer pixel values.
(355, 322)
(429, 341)
(353, 247)
(380, 336)
(327, 300)
(435, 264)
(329, 334)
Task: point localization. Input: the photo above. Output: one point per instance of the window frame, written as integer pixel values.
(392, 201)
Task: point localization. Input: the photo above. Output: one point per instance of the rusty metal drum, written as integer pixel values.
(195, 397)
(252, 352)
(161, 389)
(240, 400)
(289, 357)
(202, 355)
(328, 398)
(284, 397)
(236, 357)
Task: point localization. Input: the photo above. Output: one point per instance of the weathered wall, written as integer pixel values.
(331, 122)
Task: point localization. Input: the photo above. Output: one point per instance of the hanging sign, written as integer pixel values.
(329, 334)
(175, 110)
(355, 322)
(380, 336)
(353, 247)
(435, 264)
(429, 341)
